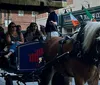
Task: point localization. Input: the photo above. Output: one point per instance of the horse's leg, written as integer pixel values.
(58, 79)
(68, 80)
(46, 76)
(52, 75)
(94, 79)
(79, 80)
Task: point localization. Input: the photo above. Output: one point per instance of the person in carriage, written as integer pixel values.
(13, 39)
(51, 24)
(32, 33)
(19, 28)
(42, 29)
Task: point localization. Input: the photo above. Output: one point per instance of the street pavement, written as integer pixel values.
(2, 81)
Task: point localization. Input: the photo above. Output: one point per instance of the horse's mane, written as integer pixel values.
(89, 34)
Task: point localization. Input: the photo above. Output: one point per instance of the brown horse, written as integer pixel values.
(84, 67)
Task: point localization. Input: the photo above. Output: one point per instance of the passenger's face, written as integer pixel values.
(34, 27)
(13, 26)
(49, 10)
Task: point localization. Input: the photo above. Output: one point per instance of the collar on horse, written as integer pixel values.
(78, 52)
(86, 57)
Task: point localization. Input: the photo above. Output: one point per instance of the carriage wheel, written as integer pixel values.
(8, 80)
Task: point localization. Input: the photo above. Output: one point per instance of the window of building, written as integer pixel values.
(4, 14)
(20, 13)
(69, 2)
(33, 14)
(7, 22)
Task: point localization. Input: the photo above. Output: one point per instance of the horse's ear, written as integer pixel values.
(82, 21)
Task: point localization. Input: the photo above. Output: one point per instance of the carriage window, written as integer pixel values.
(20, 13)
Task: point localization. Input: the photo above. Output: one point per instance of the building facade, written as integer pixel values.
(20, 17)
(75, 6)
(24, 18)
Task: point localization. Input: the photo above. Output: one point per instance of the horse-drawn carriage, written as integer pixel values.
(40, 61)
(34, 62)
(27, 64)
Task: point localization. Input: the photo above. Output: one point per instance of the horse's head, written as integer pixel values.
(91, 43)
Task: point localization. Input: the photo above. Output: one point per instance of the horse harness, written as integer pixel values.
(85, 57)
(90, 57)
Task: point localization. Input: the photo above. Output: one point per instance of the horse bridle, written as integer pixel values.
(97, 45)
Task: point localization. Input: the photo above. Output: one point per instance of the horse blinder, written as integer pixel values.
(97, 42)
